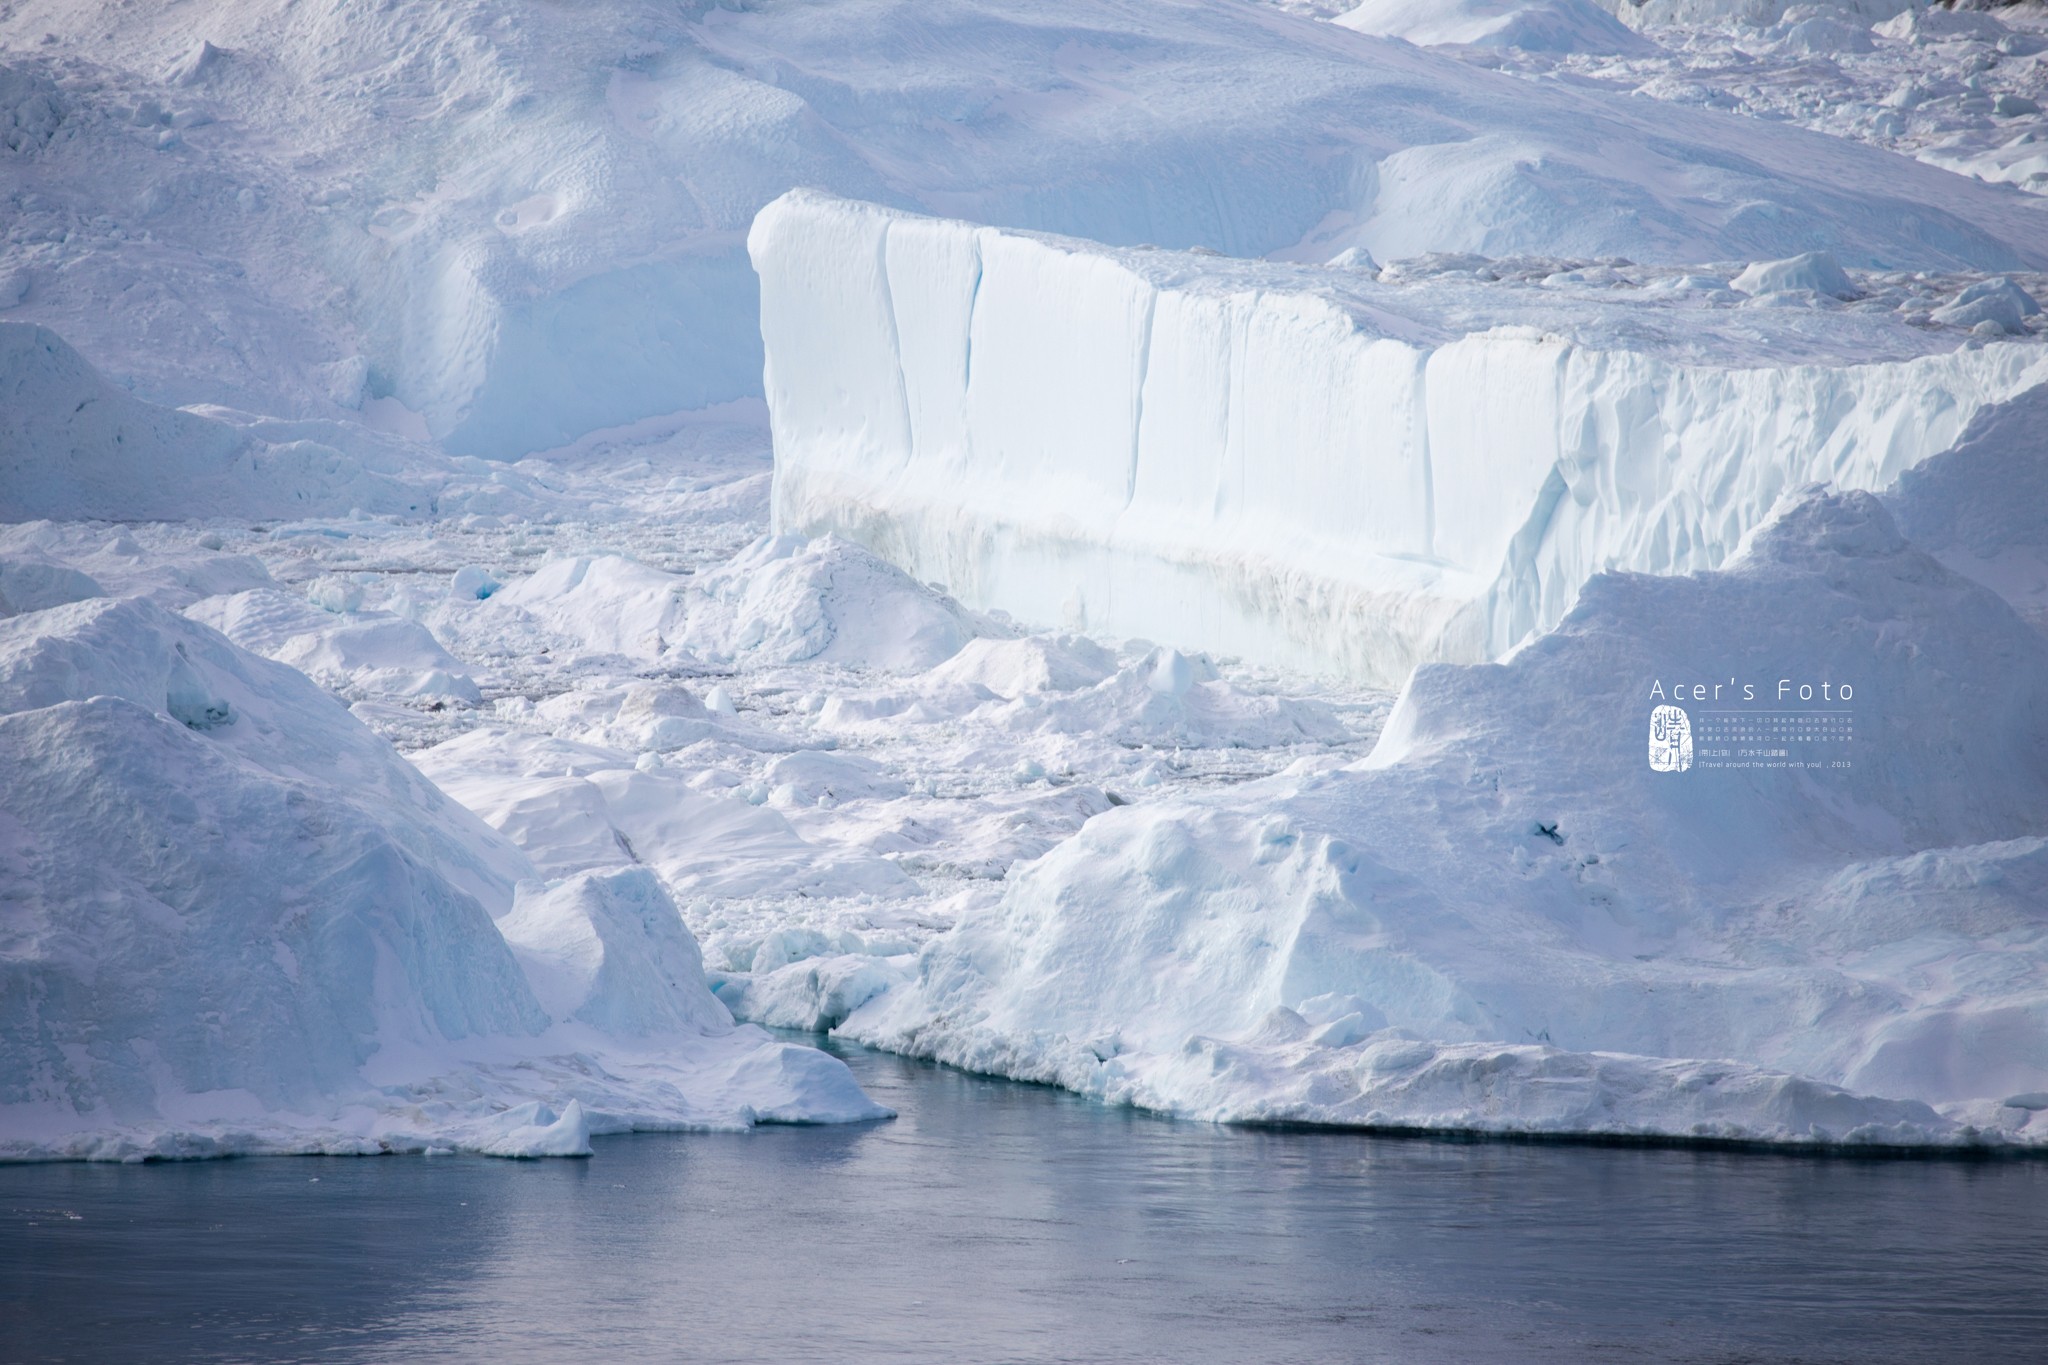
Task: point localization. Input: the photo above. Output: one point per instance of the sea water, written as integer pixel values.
(994, 1221)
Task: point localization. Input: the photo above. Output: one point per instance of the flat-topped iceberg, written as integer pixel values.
(1302, 466)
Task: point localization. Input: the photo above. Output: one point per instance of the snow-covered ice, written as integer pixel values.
(1961, 88)
(238, 921)
(1305, 466)
(1491, 920)
(503, 225)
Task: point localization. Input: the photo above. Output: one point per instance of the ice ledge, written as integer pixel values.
(1391, 1081)
(1302, 466)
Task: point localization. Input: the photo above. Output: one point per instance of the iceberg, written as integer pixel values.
(1507, 920)
(1299, 466)
(234, 920)
(505, 226)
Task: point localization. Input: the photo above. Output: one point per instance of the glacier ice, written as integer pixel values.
(238, 921)
(295, 248)
(74, 446)
(504, 224)
(782, 599)
(1504, 920)
(1294, 465)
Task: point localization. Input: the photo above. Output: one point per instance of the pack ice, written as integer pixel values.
(1331, 469)
(298, 247)
(1503, 920)
(237, 921)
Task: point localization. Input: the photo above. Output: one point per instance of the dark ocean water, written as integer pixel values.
(995, 1221)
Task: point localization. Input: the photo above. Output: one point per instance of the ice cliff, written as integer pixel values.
(1304, 466)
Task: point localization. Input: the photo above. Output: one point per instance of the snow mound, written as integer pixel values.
(1532, 25)
(1977, 507)
(374, 653)
(388, 655)
(1815, 271)
(275, 718)
(781, 599)
(785, 600)
(572, 816)
(234, 920)
(1822, 35)
(33, 584)
(639, 717)
(1506, 920)
(261, 620)
(74, 446)
(1299, 466)
(812, 775)
(1036, 663)
(608, 604)
(1166, 698)
(1761, 14)
(610, 949)
(1940, 23)
(192, 937)
(1999, 304)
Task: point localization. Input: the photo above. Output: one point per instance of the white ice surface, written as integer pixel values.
(1531, 25)
(1503, 920)
(237, 921)
(834, 820)
(336, 233)
(502, 223)
(1959, 89)
(72, 445)
(1302, 466)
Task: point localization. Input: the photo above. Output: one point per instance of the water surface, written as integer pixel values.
(996, 1221)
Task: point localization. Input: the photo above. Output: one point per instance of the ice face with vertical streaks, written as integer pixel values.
(1302, 466)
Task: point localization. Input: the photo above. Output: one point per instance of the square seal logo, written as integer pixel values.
(1670, 740)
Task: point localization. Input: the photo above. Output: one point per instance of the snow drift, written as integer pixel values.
(232, 919)
(1505, 920)
(1302, 466)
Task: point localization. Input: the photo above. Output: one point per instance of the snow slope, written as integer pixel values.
(236, 921)
(1532, 25)
(1999, 538)
(508, 224)
(1310, 467)
(1504, 920)
(74, 446)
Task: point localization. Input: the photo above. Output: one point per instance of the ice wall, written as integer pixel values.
(1273, 463)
